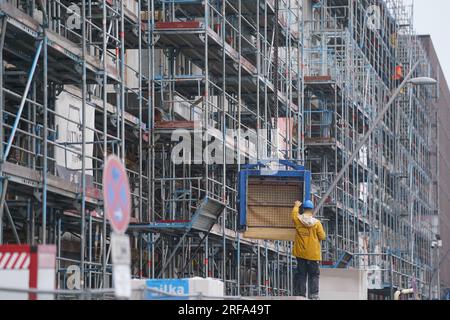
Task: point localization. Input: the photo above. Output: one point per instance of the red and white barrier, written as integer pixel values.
(27, 267)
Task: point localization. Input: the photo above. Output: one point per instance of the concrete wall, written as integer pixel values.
(343, 284)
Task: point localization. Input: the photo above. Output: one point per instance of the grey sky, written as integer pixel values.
(433, 17)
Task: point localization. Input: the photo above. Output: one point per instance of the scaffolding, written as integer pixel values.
(303, 79)
(219, 67)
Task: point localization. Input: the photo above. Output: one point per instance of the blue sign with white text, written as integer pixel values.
(173, 287)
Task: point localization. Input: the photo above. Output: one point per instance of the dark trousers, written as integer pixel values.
(307, 271)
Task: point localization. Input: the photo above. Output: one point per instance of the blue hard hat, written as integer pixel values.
(308, 205)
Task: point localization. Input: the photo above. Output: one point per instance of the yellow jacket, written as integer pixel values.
(308, 236)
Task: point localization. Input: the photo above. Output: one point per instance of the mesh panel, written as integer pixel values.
(269, 203)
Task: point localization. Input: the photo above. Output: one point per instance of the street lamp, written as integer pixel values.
(378, 120)
(423, 81)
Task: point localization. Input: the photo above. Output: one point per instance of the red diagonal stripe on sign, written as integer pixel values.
(7, 261)
(26, 262)
(19, 261)
(4, 259)
(15, 256)
(12, 260)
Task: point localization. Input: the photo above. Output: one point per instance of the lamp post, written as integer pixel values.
(378, 120)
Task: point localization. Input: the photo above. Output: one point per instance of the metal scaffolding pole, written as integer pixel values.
(83, 147)
(45, 140)
(22, 102)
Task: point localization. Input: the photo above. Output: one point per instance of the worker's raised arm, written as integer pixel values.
(320, 232)
(295, 212)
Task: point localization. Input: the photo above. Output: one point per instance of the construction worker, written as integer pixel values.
(307, 250)
(398, 75)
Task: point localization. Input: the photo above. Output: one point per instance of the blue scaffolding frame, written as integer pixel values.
(257, 170)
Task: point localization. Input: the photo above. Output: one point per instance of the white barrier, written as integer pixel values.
(343, 284)
(27, 267)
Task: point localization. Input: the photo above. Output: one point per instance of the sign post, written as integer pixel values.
(121, 258)
(117, 203)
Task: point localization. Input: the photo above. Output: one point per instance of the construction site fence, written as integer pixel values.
(108, 294)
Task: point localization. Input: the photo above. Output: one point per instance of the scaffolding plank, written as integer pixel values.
(188, 125)
(32, 178)
(57, 43)
(279, 234)
(178, 25)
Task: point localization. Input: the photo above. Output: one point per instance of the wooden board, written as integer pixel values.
(270, 234)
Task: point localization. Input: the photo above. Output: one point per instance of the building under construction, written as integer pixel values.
(81, 80)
